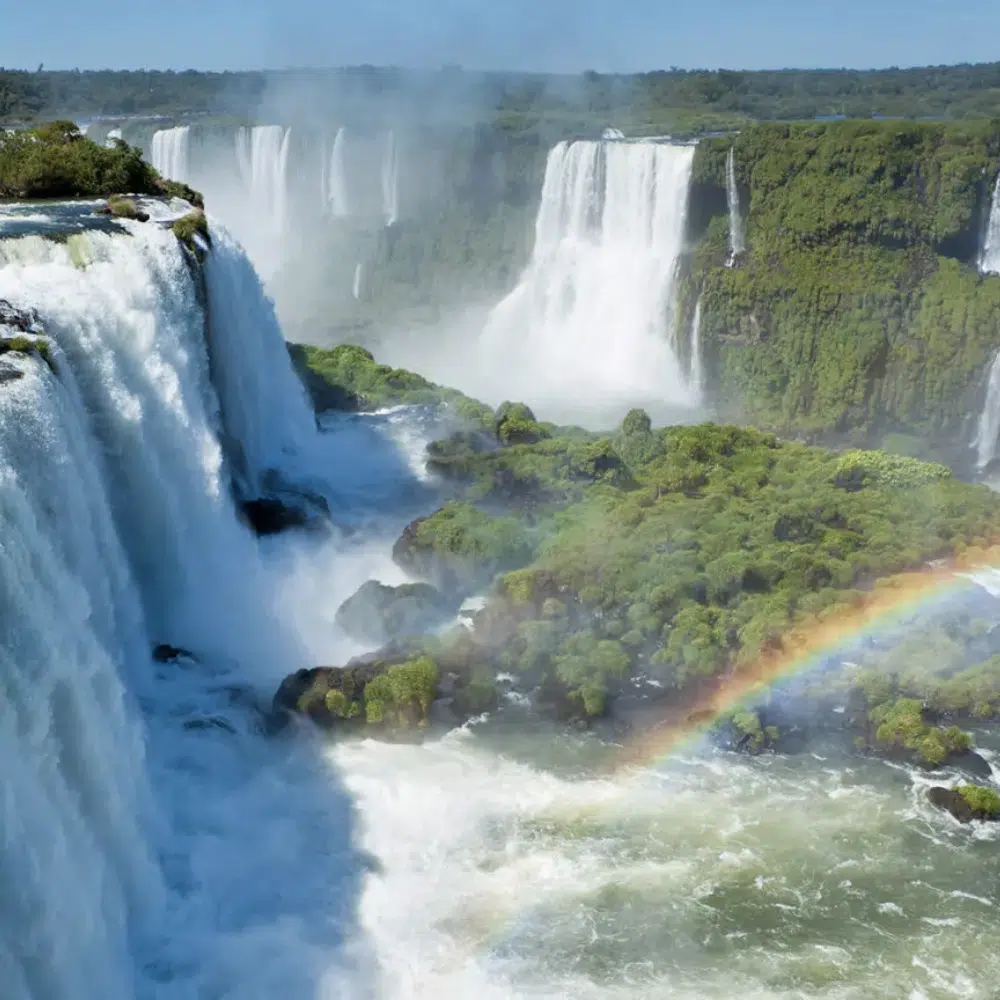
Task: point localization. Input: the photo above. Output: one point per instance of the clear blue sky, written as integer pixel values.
(556, 35)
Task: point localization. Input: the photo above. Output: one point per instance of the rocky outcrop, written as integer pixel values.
(377, 613)
(967, 802)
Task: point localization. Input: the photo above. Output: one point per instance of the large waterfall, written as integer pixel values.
(590, 327)
(988, 430)
(989, 262)
(143, 856)
(737, 243)
(170, 153)
(335, 193)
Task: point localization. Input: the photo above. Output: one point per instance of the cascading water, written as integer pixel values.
(146, 854)
(113, 135)
(390, 181)
(989, 261)
(359, 274)
(988, 429)
(697, 376)
(262, 155)
(589, 329)
(737, 243)
(170, 153)
(336, 178)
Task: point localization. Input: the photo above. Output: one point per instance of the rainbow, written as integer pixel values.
(809, 644)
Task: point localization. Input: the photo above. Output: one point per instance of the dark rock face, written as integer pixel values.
(971, 763)
(9, 374)
(21, 320)
(270, 516)
(165, 653)
(954, 802)
(377, 613)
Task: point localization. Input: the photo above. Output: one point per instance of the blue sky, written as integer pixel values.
(556, 35)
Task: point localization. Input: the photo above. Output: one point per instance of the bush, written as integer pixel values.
(190, 225)
(982, 801)
(402, 696)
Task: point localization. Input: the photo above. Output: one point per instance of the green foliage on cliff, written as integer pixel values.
(710, 545)
(857, 311)
(193, 224)
(348, 377)
(27, 345)
(402, 696)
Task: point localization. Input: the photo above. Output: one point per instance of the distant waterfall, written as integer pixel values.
(336, 178)
(390, 181)
(113, 134)
(989, 262)
(988, 431)
(696, 377)
(737, 242)
(170, 154)
(591, 323)
(262, 155)
(359, 273)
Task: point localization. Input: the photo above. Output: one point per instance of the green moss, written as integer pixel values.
(38, 346)
(402, 696)
(983, 801)
(901, 725)
(195, 223)
(120, 207)
(339, 705)
(348, 377)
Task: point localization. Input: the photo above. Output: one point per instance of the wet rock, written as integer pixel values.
(377, 613)
(8, 373)
(165, 653)
(20, 320)
(971, 763)
(975, 804)
(271, 516)
(213, 722)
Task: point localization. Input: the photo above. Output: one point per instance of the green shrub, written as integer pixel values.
(983, 801)
(901, 725)
(402, 696)
(190, 225)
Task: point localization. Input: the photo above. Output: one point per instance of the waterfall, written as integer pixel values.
(988, 430)
(336, 183)
(737, 243)
(262, 155)
(359, 273)
(170, 153)
(390, 181)
(696, 377)
(145, 855)
(989, 262)
(264, 405)
(591, 322)
(113, 134)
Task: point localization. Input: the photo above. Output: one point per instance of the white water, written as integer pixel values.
(170, 153)
(989, 262)
(988, 429)
(265, 408)
(142, 858)
(390, 180)
(262, 155)
(697, 375)
(737, 243)
(113, 134)
(589, 330)
(336, 178)
(359, 274)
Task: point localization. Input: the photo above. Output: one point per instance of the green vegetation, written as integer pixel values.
(348, 377)
(691, 559)
(27, 345)
(749, 734)
(857, 312)
(120, 207)
(190, 225)
(984, 802)
(402, 696)
(56, 160)
(901, 726)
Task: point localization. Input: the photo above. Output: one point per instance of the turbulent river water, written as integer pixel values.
(158, 845)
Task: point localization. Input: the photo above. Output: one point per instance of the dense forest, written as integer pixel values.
(695, 101)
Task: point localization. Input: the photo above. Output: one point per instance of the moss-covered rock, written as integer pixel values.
(744, 732)
(187, 227)
(123, 207)
(967, 802)
(377, 613)
(348, 377)
(901, 730)
(460, 548)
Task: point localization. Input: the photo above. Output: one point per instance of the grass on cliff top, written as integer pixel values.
(56, 160)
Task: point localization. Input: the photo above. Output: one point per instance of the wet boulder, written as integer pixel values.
(966, 802)
(378, 613)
